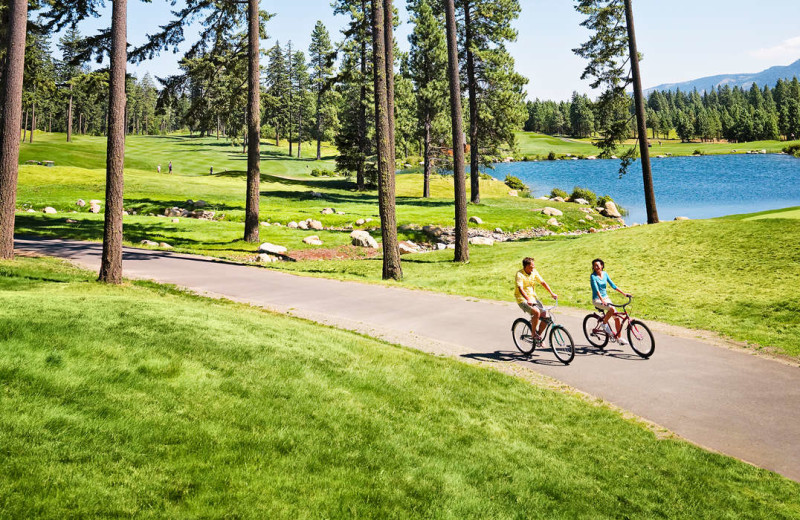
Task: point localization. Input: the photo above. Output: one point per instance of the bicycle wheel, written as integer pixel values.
(562, 344)
(641, 339)
(592, 323)
(523, 339)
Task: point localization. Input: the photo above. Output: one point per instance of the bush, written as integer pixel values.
(793, 150)
(559, 193)
(515, 183)
(697, 152)
(551, 156)
(584, 193)
(322, 172)
(486, 177)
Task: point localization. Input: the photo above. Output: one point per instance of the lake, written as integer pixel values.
(694, 187)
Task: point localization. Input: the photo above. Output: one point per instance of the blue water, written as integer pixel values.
(694, 187)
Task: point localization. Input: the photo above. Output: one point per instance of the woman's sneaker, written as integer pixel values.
(608, 331)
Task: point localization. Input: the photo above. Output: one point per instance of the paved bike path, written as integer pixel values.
(726, 400)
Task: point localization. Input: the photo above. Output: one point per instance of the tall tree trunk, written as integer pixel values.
(253, 126)
(50, 122)
(362, 110)
(647, 173)
(111, 264)
(277, 137)
(217, 127)
(383, 125)
(472, 86)
(25, 128)
(33, 121)
(388, 14)
(459, 183)
(319, 126)
(9, 125)
(426, 168)
(299, 132)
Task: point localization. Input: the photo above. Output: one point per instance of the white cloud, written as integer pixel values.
(787, 49)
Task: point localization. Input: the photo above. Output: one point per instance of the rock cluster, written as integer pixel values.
(363, 239)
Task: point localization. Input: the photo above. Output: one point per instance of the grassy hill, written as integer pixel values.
(143, 401)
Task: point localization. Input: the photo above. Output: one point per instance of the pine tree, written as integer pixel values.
(301, 97)
(277, 93)
(427, 66)
(322, 57)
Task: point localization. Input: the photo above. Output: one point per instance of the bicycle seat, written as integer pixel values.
(598, 309)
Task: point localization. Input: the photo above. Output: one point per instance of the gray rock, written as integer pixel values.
(552, 212)
(434, 231)
(94, 208)
(175, 220)
(71, 221)
(292, 225)
(328, 211)
(363, 239)
(266, 224)
(481, 241)
(441, 246)
(149, 243)
(266, 259)
(340, 213)
(316, 225)
(681, 218)
(408, 247)
(313, 240)
(589, 217)
(30, 210)
(476, 220)
(611, 210)
(498, 230)
(164, 245)
(95, 201)
(360, 222)
(200, 204)
(81, 203)
(266, 247)
(49, 210)
(583, 202)
(277, 224)
(558, 199)
(303, 224)
(553, 222)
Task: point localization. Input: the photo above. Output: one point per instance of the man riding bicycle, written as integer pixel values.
(525, 293)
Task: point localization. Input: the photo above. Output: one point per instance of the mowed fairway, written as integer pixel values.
(143, 401)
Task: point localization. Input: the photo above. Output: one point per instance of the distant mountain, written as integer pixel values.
(766, 77)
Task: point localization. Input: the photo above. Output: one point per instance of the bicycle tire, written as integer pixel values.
(523, 339)
(590, 323)
(562, 344)
(641, 339)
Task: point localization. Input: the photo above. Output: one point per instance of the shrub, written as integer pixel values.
(551, 156)
(697, 152)
(584, 193)
(793, 150)
(515, 183)
(558, 193)
(322, 172)
(485, 176)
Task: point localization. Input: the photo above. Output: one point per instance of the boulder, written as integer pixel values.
(589, 217)
(407, 247)
(202, 214)
(367, 220)
(30, 210)
(266, 224)
(681, 218)
(552, 212)
(316, 225)
(164, 245)
(149, 243)
(481, 241)
(292, 225)
(592, 230)
(266, 259)
(553, 222)
(434, 231)
(125, 213)
(451, 246)
(277, 224)
(441, 245)
(363, 239)
(498, 230)
(558, 199)
(95, 201)
(513, 193)
(175, 220)
(583, 202)
(81, 203)
(200, 204)
(328, 211)
(94, 208)
(476, 220)
(340, 213)
(49, 210)
(360, 222)
(312, 240)
(581, 221)
(266, 247)
(611, 210)
(303, 224)
(71, 221)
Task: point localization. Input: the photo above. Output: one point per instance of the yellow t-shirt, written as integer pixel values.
(527, 282)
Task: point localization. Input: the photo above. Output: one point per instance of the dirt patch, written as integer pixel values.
(337, 253)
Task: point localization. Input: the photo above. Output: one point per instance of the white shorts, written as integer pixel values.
(527, 309)
(602, 305)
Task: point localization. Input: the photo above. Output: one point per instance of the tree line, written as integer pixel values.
(735, 114)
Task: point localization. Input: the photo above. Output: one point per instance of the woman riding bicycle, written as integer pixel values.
(600, 280)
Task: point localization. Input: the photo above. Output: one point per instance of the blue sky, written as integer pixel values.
(680, 39)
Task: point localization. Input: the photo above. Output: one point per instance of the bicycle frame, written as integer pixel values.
(626, 319)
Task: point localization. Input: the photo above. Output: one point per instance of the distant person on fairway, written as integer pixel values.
(600, 280)
(525, 293)
(211, 171)
(170, 167)
(158, 168)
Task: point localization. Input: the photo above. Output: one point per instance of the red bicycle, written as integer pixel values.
(639, 335)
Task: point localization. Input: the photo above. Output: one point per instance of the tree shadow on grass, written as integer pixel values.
(151, 204)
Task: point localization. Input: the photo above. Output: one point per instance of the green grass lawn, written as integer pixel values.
(532, 144)
(143, 401)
